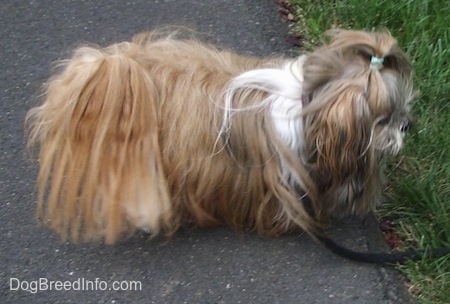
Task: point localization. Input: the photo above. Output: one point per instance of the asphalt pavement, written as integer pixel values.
(196, 266)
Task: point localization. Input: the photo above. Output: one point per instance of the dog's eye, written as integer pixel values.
(384, 121)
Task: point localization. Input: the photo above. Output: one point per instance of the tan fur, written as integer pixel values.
(130, 139)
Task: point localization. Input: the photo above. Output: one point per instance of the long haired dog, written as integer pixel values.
(164, 132)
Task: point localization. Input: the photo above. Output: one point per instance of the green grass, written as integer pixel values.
(418, 192)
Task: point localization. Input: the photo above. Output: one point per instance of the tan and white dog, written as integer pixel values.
(163, 132)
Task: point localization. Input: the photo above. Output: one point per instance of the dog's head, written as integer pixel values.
(357, 93)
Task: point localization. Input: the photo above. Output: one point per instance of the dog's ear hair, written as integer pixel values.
(339, 138)
(343, 125)
(99, 151)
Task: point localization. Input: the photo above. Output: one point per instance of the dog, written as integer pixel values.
(164, 132)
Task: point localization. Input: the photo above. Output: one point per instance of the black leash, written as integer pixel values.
(379, 258)
(382, 258)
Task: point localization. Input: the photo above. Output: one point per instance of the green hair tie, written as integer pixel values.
(376, 63)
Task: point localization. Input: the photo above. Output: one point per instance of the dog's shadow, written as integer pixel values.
(214, 249)
(197, 265)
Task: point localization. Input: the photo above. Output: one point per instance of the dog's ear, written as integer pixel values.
(340, 153)
(340, 133)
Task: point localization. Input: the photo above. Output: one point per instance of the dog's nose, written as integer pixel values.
(405, 126)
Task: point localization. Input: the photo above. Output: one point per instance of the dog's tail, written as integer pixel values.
(101, 170)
